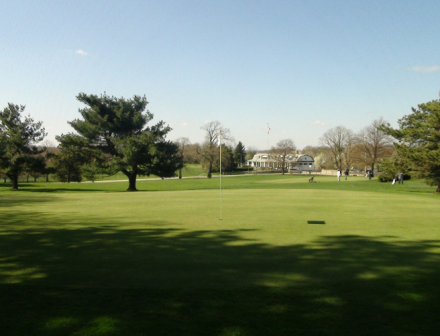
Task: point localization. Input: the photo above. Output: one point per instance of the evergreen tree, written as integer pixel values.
(18, 139)
(239, 154)
(115, 131)
(68, 162)
(418, 138)
(228, 162)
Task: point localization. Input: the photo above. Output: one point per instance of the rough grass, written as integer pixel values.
(289, 257)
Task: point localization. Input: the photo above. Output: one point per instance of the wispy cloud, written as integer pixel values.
(425, 68)
(317, 122)
(80, 52)
(185, 124)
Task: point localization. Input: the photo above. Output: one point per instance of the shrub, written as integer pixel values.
(384, 177)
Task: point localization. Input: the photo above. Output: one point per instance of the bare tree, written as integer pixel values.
(209, 150)
(281, 151)
(321, 155)
(374, 144)
(339, 140)
(250, 152)
(183, 144)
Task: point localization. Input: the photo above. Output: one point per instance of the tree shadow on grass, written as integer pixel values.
(8, 200)
(108, 280)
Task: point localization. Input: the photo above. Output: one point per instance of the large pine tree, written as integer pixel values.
(115, 131)
(18, 139)
(419, 141)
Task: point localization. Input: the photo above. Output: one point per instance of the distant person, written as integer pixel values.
(338, 174)
(370, 174)
(346, 173)
(400, 177)
(394, 180)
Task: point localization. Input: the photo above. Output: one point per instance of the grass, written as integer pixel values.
(190, 170)
(354, 257)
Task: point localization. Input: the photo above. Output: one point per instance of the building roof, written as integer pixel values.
(294, 157)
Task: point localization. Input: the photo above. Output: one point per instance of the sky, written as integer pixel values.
(301, 67)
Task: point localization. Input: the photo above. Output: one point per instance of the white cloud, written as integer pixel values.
(185, 124)
(317, 122)
(425, 68)
(80, 52)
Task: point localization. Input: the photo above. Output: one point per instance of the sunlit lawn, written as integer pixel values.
(289, 257)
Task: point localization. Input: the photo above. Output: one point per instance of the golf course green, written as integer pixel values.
(276, 256)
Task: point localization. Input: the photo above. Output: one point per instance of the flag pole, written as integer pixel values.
(268, 129)
(220, 144)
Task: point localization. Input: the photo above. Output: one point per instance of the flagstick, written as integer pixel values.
(268, 129)
(268, 137)
(220, 144)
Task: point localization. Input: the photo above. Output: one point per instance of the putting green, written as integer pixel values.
(283, 259)
(279, 216)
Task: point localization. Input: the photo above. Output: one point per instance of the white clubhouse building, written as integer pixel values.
(294, 162)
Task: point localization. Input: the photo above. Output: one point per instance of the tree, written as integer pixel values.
(36, 167)
(228, 160)
(391, 166)
(183, 146)
(209, 150)
(115, 130)
(281, 151)
(418, 143)
(69, 161)
(339, 141)
(18, 139)
(239, 154)
(250, 152)
(321, 155)
(90, 171)
(374, 144)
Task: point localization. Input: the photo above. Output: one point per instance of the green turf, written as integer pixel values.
(189, 170)
(289, 257)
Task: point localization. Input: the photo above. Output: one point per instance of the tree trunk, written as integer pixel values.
(180, 173)
(132, 182)
(47, 177)
(14, 180)
(27, 178)
(438, 188)
(210, 170)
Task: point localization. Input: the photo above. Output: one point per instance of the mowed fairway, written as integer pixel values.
(350, 258)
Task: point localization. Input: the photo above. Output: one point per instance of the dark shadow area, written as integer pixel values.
(107, 280)
(16, 199)
(315, 222)
(60, 190)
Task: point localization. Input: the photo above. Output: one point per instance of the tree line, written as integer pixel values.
(114, 135)
(341, 148)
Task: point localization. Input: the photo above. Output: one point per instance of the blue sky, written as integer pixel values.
(301, 66)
